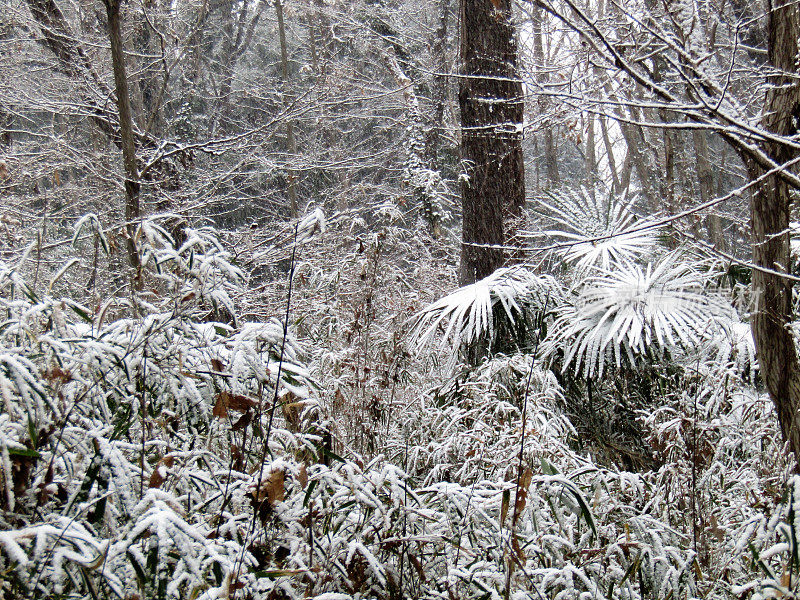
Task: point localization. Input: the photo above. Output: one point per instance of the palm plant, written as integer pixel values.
(631, 312)
(482, 312)
(595, 229)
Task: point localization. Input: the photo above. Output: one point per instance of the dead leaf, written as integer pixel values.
(160, 473)
(716, 530)
(227, 401)
(504, 506)
(522, 493)
(525, 479)
(302, 477)
(275, 488)
(58, 374)
(291, 410)
(243, 421)
(240, 403)
(220, 407)
(517, 549)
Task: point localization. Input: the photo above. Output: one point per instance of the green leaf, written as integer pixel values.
(309, 491)
(548, 468)
(80, 311)
(333, 455)
(24, 452)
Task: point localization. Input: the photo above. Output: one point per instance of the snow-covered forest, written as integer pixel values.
(387, 299)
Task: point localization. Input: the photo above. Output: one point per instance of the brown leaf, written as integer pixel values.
(302, 477)
(243, 421)
(291, 410)
(417, 566)
(274, 486)
(519, 503)
(716, 530)
(338, 397)
(506, 500)
(217, 365)
(240, 403)
(522, 493)
(58, 374)
(525, 479)
(517, 549)
(227, 401)
(221, 406)
(159, 474)
(237, 458)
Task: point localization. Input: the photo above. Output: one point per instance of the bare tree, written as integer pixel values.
(132, 186)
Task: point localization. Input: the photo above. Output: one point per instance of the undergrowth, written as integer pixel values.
(261, 424)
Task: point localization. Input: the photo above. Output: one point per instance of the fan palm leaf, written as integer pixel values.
(466, 315)
(595, 229)
(628, 312)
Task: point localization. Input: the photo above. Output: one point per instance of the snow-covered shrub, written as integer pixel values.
(494, 312)
(629, 313)
(127, 439)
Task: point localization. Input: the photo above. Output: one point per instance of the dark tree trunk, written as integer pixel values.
(126, 133)
(6, 122)
(490, 97)
(772, 316)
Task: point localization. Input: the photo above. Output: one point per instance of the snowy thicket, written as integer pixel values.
(607, 442)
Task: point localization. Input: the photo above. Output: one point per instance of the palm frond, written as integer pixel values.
(628, 312)
(594, 228)
(466, 315)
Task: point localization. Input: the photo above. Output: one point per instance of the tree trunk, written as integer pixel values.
(543, 105)
(491, 101)
(592, 176)
(291, 143)
(612, 163)
(705, 180)
(772, 316)
(439, 92)
(126, 134)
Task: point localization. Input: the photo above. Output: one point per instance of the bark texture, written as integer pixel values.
(126, 132)
(542, 102)
(775, 345)
(490, 98)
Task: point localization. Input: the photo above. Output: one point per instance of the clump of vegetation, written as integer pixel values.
(163, 446)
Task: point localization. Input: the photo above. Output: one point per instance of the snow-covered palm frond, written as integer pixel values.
(630, 311)
(310, 226)
(466, 315)
(595, 229)
(734, 348)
